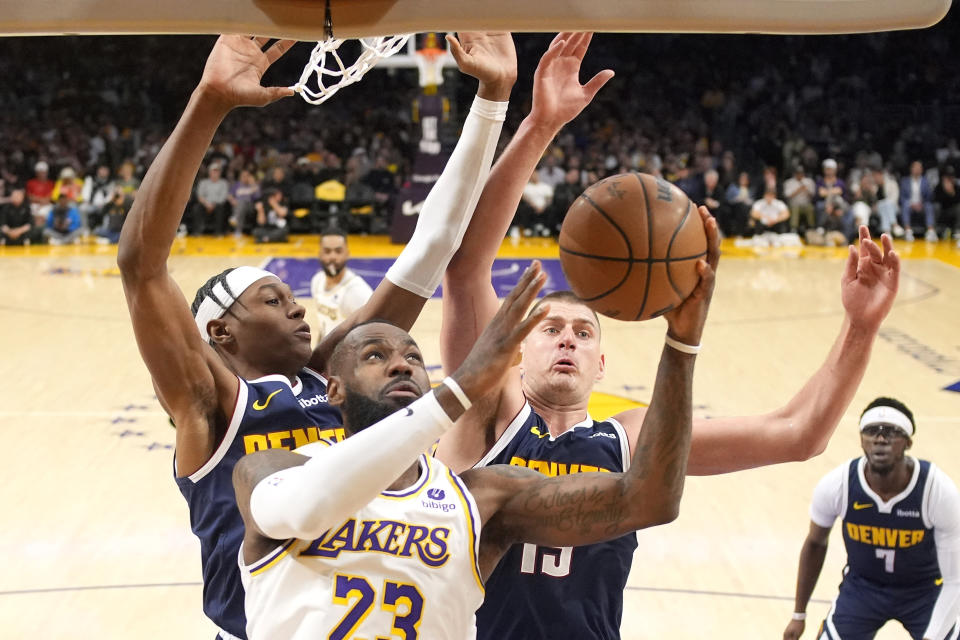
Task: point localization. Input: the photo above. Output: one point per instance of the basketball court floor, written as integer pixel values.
(95, 536)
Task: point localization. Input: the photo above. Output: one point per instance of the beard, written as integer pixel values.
(360, 411)
(333, 269)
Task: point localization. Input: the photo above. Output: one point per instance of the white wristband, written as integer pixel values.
(458, 392)
(798, 615)
(681, 347)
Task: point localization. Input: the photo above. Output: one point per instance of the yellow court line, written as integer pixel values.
(307, 246)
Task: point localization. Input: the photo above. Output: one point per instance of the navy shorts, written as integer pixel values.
(863, 606)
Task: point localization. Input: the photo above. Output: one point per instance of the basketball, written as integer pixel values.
(629, 246)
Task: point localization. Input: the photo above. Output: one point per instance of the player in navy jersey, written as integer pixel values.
(238, 374)
(540, 419)
(900, 519)
(354, 548)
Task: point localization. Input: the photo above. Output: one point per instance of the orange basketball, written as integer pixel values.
(629, 246)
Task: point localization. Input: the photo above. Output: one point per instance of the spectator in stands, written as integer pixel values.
(866, 201)
(833, 209)
(242, 196)
(948, 200)
(769, 214)
(98, 191)
(337, 290)
(799, 190)
(68, 185)
(740, 201)
(63, 223)
(210, 208)
(384, 184)
(916, 196)
(114, 215)
(127, 181)
(889, 202)
(278, 181)
(533, 213)
(16, 221)
(40, 193)
(563, 196)
(271, 217)
(714, 197)
(550, 173)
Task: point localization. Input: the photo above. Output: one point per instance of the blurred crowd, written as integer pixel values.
(811, 135)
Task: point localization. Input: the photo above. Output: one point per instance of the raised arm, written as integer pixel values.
(811, 563)
(195, 388)
(801, 428)
(491, 58)
(520, 505)
(469, 300)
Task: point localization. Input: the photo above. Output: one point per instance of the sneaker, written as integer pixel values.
(908, 235)
(931, 236)
(515, 232)
(182, 231)
(527, 233)
(897, 231)
(102, 240)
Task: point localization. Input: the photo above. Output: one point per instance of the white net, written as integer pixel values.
(326, 73)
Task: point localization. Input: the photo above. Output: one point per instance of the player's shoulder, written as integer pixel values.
(356, 281)
(317, 282)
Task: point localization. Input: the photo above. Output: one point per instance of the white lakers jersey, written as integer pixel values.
(404, 566)
(336, 304)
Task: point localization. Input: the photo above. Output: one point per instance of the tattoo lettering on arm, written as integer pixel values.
(578, 509)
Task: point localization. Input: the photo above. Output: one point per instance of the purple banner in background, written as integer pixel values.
(297, 272)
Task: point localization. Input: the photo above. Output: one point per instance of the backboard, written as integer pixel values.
(303, 19)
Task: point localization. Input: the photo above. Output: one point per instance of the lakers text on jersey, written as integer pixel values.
(403, 566)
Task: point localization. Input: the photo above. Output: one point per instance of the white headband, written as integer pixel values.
(887, 415)
(216, 303)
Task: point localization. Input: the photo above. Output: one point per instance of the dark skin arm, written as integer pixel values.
(521, 505)
(493, 354)
(194, 386)
(811, 563)
(247, 473)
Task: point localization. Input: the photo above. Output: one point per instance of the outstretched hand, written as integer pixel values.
(498, 347)
(235, 69)
(794, 630)
(558, 96)
(490, 57)
(685, 323)
(870, 281)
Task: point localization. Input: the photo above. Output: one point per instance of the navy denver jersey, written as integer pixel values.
(269, 414)
(566, 592)
(889, 543)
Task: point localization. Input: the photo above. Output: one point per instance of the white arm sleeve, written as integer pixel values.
(303, 502)
(943, 507)
(829, 497)
(447, 210)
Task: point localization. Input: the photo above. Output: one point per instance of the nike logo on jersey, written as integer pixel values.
(409, 412)
(536, 431)
(260, 407)
(857, 506)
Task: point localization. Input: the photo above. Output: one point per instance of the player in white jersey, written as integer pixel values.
(371, 538)
(336, 289)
